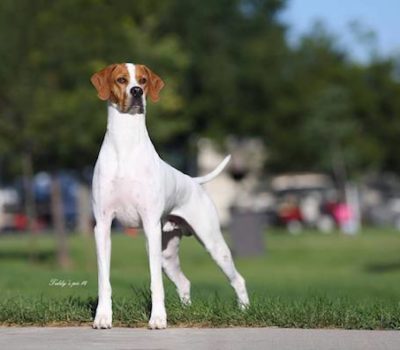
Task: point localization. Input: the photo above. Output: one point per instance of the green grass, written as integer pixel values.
(310, 280)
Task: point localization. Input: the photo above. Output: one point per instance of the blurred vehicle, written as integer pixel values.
(12, 217)
(69, 191)
(69, 183)
(301, 201)
(9, 204)
(12, 199)
(381, 200)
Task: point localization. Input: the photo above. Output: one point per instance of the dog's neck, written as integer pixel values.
(125, 130)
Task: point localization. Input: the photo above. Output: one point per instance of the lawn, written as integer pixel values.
(310, 280)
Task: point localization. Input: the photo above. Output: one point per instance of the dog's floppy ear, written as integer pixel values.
(155, 84)
(101, 81)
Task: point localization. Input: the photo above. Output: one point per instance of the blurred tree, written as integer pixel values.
(333, 112)
(62, 47)
(376, 107)
(235, 48)
(228, 70)
(50, 113)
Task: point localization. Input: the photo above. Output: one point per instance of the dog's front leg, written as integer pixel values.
(158, 318)
(102, 233)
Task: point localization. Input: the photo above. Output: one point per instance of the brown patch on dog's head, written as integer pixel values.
(111, 83)
(150, 82)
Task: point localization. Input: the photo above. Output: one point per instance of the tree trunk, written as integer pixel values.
(84, 211)
(57, 209)
(30, 205)
(85, 226)
(339, 169)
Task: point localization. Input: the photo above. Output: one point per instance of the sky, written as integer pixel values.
(380, 16)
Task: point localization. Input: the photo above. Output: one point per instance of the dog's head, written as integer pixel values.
(127, 85)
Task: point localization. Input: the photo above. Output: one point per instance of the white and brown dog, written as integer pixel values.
(131, 183)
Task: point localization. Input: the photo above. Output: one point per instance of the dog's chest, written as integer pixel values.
(128, 179)
(126, 201)
(130, 186)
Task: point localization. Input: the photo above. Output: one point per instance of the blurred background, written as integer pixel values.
(305, 95)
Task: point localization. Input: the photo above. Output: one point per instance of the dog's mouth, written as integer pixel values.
(135, 106)
(136, 109)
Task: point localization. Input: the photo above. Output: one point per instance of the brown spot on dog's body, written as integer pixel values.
(152, 82)
(108, 87)
(118, 90)
(100, 81)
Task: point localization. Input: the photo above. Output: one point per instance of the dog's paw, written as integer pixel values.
(158, 322)
(244, 304)
(103, 320)
(185, 300)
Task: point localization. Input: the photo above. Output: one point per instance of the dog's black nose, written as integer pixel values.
(136, 91)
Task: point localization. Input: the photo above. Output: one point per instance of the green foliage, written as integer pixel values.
(48, 103)
(334, 108)
(228, 70)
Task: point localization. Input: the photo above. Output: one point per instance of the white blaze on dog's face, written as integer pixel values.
(127, 85)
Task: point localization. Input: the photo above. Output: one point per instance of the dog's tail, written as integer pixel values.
(210, 176)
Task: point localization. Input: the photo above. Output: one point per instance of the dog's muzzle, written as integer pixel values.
(137, 100)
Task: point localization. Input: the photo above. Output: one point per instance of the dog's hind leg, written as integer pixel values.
(202, 217)
(171, 264)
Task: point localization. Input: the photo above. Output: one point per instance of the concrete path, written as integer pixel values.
(192, 339)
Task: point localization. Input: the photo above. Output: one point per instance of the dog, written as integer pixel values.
(132, 184)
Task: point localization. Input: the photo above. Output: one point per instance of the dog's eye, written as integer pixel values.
(142, 81)
(121, 80)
